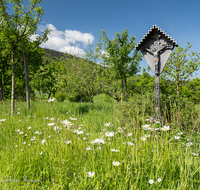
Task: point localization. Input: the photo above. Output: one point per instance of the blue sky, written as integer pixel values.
(74, 22)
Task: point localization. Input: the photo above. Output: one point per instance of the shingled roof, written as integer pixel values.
(137, 47)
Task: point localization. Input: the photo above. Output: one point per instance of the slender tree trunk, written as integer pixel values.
(13, 84)
(27, 81)
(91, 99)
(2, 88)
(122, 92)
(178, 88)
(125, 89)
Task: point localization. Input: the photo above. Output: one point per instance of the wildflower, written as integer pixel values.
(52, 119)
(88, 148)
(51, 100)
(79, 132)
(56, 128)
(84, 138)
(41, 153)
(28, 144)
(73, 118)
(2, 120)
(87, 134)
(90, 174)
(143, 138)
(43, 141)
(18, 130)
(98, 141)
(66, 122)
(114, 163)
(159, 180)
(46, 118)
(18, 112)
(36, 132)
(151, 181)
(33, 139)
(179, 133)
(188, 144)
(146, 127)
(107, 124)
(24, 142)
(130, 143)
(74, 126)
(28, 127)
(25, 135)
(51, 124)
(157, 129)
(165, 128)
(195, 154)
(21, 132)
(68, 142)
(129, 134)
(113, 150)
(177, 137)
(16, 146)
(109, 134)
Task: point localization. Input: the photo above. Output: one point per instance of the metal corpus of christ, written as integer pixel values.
(156, 47)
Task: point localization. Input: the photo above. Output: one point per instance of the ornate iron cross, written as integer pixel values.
(156, 47)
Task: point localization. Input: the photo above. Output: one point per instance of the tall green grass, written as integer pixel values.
(62, 158)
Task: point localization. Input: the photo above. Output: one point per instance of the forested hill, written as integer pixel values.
(52, 55)
(56, 56)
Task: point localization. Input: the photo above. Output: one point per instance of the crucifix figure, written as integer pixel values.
(156, 48)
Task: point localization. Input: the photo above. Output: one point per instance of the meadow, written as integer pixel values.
(63, 145)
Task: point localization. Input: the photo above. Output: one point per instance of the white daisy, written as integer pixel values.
(114, 163)
(159, 180)
(151, 181)
(90, 174)
(51, 100)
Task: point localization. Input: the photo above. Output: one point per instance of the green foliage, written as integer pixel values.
(60, 96)
(181, 65)
(177, 112)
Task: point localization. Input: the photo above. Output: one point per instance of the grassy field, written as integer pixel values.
(92, 146)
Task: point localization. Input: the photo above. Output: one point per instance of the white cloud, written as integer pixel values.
(68, 41)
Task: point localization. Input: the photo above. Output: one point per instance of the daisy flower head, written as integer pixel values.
(51, 124)
(146, 127)
(51, 100)
(188, 144)
(90, 174)
(143, 138)
(109, 134)
(115, 163)
(177, 137)
(107, 124)
(88, 148)
(165, 128)
(43, 141)
(151, 181)
(2, 120)
(73, 118)
(68, 142)
(159, 180)
(114, 150)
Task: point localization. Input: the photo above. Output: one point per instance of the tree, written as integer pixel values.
(84, 77)
(181, 65)
(17, 28)
(118, 56)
